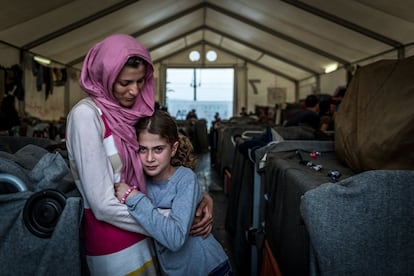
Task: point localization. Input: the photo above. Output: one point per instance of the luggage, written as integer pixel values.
(286, 176)
(40, 210)
(374, 127)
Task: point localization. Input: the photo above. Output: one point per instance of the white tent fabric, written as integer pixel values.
(291, 38)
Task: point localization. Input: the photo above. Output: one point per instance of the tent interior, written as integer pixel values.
(280, 51)
(286, 44)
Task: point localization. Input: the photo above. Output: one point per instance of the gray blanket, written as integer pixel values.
(362, 225)
(21, 251)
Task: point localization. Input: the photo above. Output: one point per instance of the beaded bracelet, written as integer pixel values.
(123, 199)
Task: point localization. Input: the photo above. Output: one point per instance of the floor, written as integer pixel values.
(212, 182)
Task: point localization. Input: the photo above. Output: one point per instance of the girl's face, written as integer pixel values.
(128, 85)
(155, 154)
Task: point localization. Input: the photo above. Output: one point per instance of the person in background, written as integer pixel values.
(327, 112)
(217, 120)
(338, 95)
(168, 208)
(192, 115)
(308, 116)
(243, 112)
(9, 116)
(117, 76)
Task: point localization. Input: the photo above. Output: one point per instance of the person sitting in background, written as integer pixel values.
(243, 112)
(192, 115)
(327, 115)
(308, 116)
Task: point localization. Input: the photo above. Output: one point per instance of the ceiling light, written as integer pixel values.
(42, 60)
(194, 56)
(211, 55)
(331, 67)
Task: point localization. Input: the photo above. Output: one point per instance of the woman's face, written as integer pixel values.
(129, 84)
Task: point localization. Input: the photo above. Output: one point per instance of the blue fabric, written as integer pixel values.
(167, 213)
(223, 269)
(256, 143)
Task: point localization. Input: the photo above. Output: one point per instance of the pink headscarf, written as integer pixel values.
(100, 70)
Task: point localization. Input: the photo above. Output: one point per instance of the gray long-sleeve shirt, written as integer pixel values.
(167, 213)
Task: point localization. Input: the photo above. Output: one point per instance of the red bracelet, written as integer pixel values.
(124, 198)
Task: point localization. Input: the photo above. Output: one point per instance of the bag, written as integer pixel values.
(374, 127)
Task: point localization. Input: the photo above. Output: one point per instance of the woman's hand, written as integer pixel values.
(203, 221)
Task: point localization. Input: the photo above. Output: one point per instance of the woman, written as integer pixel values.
(117, 75)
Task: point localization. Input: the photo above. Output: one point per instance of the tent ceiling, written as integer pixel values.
(295, 39)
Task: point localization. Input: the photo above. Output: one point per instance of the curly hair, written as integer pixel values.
(162, 124)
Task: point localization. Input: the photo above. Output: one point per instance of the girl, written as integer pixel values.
(173, 193)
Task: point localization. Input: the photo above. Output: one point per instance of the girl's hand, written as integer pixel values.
(203, 221)
(121, 189)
